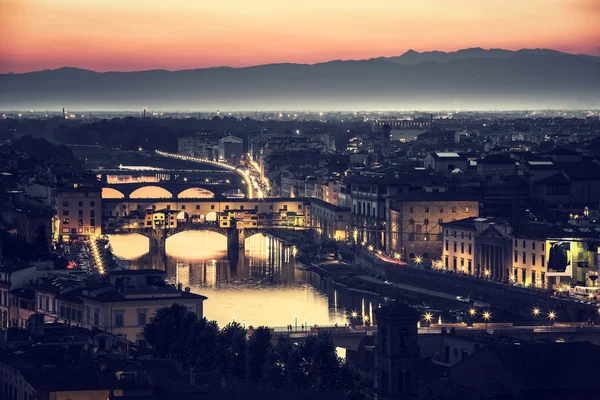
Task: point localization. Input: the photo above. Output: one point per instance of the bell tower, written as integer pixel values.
(397, 351)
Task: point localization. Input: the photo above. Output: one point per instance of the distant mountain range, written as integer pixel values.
(466, 79)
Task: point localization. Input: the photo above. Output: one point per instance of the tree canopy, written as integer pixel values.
(310, 365)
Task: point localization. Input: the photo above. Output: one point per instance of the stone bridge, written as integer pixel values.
(171, 190)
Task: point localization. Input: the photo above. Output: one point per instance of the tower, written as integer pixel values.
(397, 351)
(64, 115)
(387, 138)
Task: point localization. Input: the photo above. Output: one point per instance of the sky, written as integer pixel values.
(129, 35)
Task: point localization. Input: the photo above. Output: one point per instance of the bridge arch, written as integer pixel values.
(211, 216)
(185, 244)
(183, 216)
(151, 192)
(110, 193)
(234, 193)
(196, 193)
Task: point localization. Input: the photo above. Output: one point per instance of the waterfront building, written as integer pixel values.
(330, 221)
(414, 221)
(79, 211)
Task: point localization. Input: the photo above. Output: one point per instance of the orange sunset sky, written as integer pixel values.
(127, 35)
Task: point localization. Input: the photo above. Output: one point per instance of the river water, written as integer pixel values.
(261, 288)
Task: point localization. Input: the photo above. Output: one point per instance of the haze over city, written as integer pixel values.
(299, 199)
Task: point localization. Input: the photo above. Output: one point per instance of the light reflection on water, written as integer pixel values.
(262, 288)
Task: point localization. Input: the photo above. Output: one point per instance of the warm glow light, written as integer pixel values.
(487, 272)
(418, 260)
(487, 315)
(551, 315)
(355, 314)
(472, 312)
(428, 317)
(536, 311)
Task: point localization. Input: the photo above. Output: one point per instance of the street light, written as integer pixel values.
(536, 311)
(487, 273)
(370, 248)
(296, 321)
(366, 319)
(418, 260)
(512, 278)
(472, 312)
(551, 317)
(486, 316)
(428, 318)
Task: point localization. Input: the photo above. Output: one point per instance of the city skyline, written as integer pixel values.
(143, 35)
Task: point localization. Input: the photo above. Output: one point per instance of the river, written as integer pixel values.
(262, 288)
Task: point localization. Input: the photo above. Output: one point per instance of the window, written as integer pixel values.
(446, 245)
(462, 247)
(285, 206)
(66, 221)
(524, 258)
(299, 206)
(441, 210)
(65, 213)
(142, 318)
(65, 204)
(80, 213)
(92, 222)
(92, 214)
(168, 206)
(453, 209)
(410, 210)
(88, 315)
(533, 259)
(469, 265)
(470, 248)
(532, 277)
(440, 221)
(80, 204)
(80, 222)
(533, 244)
(411, 221)
(446, 262)
(543, 260)
(524, 244)
(183, 206)
(241, 207)
(516, 256)
(426, 209)
(227, 207)
(212, 207)
(454, 262)
(426, 221)
(197, 207)
(92, 204)
(516, 242)
(455, 247)
(118, 319)
(467, 209)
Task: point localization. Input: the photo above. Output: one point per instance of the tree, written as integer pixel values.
(202, 345)
(164, 329)
(232, 345)
(256, 353)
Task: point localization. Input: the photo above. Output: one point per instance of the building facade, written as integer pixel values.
(414, 221)
(79, 211)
